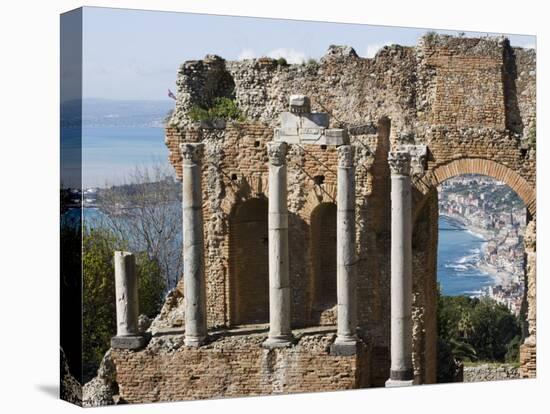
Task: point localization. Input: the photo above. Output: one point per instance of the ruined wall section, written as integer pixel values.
(353, 90)
(458, 95)
(199, 82)
(464, 98)
(475, 96)
(488, 372)
(235, 170)
(522, 67)
(234, 366)
(425, 292)
(528, 350)
(468, 88)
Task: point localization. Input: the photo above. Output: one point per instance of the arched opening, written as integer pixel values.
(248, 263)
(481, 275)
(323, 261)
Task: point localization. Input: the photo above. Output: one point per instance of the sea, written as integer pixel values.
(458, 254)
(110, 153)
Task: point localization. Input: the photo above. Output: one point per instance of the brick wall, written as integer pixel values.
(323, 257)
(528, 360)
(235, 366)
(248, 263)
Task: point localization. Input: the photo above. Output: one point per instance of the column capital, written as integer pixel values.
(400, 162)
(191, 153)
(276, 152)
(345, 156)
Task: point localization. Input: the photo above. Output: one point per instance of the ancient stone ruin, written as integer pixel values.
(310, 227)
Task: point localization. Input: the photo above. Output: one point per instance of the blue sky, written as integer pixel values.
(134, 54)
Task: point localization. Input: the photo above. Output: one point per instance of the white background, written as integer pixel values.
(29, 163)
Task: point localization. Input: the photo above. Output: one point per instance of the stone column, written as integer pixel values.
(280, 334)
(401, 373)
(127, 303)
(346, 339)
(193, 245)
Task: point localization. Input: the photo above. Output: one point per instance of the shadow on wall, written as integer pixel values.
(248, 263)
(323, 263)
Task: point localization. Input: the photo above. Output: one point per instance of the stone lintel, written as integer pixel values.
(312, 136)
(133, 342)
(307, 120)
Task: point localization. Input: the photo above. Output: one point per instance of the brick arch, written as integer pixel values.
(481, 166)
(243, 189)
(319, 194)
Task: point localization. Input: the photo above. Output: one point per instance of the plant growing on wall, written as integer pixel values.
(222, 108)
(431, 37)
(532, 138)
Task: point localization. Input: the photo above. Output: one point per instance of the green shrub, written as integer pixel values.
(198, 113)
(431, 37)
(512, 350)
(99, 307)
(476, 329)
(222, 108)
(311, 64)
(282, 62)
(532, 138)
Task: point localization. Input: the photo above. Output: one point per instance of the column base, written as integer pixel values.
(131, 341)
(279, 342)
(400, 378)
(391, 383)
(344, 346)
(194, 341)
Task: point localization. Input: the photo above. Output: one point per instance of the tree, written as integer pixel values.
(472, 329)
(146, 213)
(494, 327)
(99, 307)
(70, 286)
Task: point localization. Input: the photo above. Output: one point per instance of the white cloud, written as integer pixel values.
(375, 47)
(246, 54)
(291, 55)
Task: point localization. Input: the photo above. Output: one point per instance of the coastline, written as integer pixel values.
(500, 276)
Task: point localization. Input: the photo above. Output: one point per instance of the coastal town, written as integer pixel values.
(490, 209)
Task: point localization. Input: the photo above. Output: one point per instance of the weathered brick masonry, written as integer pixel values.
(235, 366)
(471, 101)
